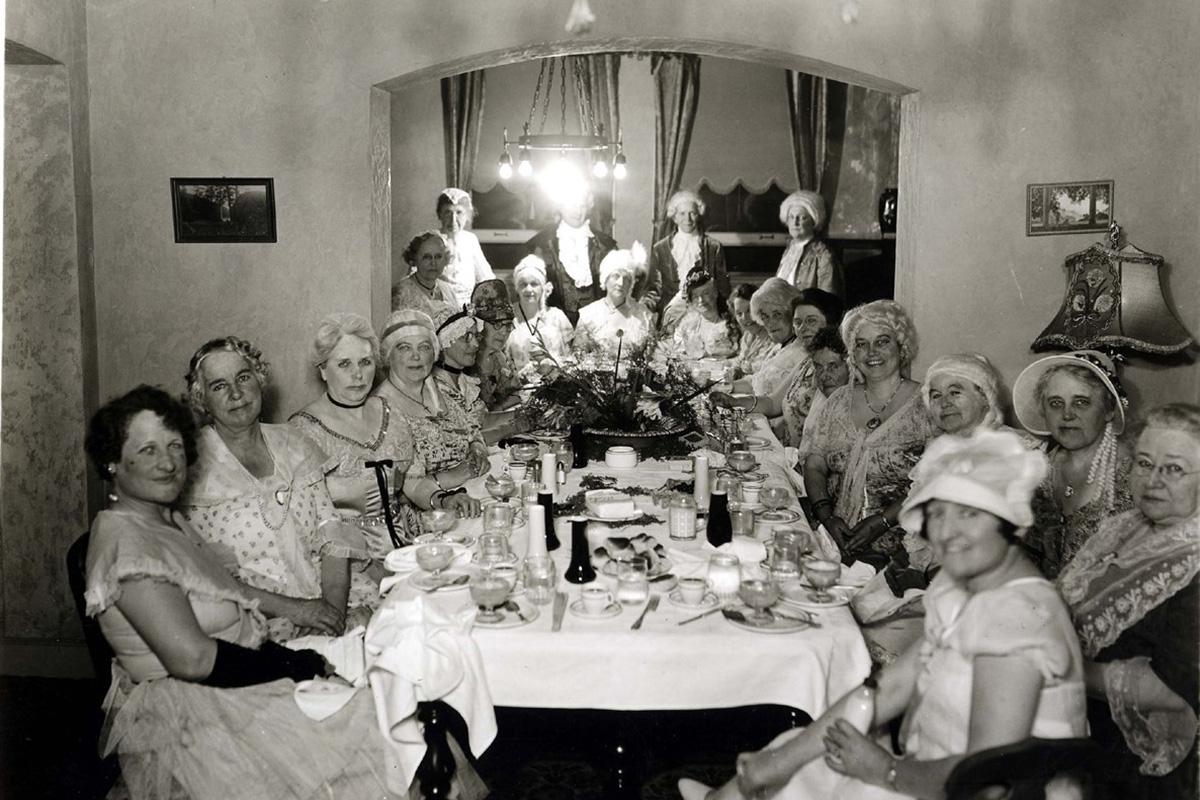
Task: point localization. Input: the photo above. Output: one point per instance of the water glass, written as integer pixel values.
(724, 575)
(498, 518)
(633, 581)
(742, 519)
(785, 546)
(775, 497)
(785, 575)
(540, 579)
(493, 548)
(529, 491)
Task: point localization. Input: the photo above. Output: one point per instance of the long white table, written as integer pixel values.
(602, 664)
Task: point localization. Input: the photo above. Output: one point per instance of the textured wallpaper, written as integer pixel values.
(43, 506)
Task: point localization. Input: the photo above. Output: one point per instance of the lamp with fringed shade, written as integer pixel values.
(1115, 301)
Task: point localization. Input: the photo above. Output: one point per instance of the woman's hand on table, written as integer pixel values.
(463, 505)
(316, 616)
(848, 752)
(478, 459)
(837, 528)
(457, 475)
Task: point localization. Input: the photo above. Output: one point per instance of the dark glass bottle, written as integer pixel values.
(546, 501)
(579, 446)
(581, 569)
(720, 526)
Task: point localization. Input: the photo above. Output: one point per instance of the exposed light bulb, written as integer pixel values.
(505, 170)
(525, 166)
(619, 171)
(600, 168)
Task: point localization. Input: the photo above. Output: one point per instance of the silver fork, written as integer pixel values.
(650, 606)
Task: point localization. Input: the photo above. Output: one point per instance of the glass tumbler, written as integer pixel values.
(498, 518)
(742, 519)
(633, 582)
(724, 575)
(540, 579)
(681, 518)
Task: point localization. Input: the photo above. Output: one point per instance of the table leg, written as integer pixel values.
(437, 769)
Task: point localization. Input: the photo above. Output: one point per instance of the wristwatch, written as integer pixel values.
(889, 779)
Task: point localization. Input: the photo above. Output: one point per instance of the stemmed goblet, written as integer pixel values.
(434, 558)
(759, 595)
(774, 497)
(822, 574)
(488, 591)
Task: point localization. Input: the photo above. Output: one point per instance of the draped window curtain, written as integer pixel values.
(817, 113)
(462, 119)
(676, 97)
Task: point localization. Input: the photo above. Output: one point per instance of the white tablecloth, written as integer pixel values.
(664, 666)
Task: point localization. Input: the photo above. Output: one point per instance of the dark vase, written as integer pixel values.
(720, 526)
(581, 569)
(579, 447)
(887, 210)
(546, 501)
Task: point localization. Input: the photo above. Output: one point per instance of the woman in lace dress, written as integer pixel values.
(201, 704)
(616, 317)
(1076, 402)
(991, 621)
(357, 430)
(706, 329)
(468, 266)
(1134, 593)
(755, 346)
(258, 491)
(542, 335)
(869, 435)
(448, 447)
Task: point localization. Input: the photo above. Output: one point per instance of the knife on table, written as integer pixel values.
(560, 605)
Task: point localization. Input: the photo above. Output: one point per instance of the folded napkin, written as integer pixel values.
(320, 698)
(749, 551)
(416, 652)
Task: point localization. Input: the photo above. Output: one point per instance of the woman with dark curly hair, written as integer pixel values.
(201, 704)
(707, 330)
(259, 493)
(425, 288)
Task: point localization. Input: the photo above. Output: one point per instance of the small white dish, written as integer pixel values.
(780, 516)
(776, 624)
(578, 610)
(509, 559)
(404, 559)
(710, 601)
(756, 443)
(621, 457)
(509, 619)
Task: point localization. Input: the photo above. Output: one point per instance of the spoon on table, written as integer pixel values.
(458, 580)
(737, 616)
(511, 605)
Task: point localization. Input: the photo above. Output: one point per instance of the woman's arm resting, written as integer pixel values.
(162, 616)
(335, 584)
(315, 613)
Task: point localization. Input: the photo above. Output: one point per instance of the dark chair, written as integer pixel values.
(101, 654)
(1021, 771)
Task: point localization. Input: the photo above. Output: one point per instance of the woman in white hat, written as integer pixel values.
(808, 263)
(991, 620)
(616, 318)
(1076, 402)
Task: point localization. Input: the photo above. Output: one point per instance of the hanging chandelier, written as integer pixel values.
(605, 155)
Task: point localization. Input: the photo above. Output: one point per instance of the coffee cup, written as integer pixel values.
(692, 590)
(595, 599)
(750, 490)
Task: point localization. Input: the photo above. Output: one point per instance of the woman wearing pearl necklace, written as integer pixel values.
(1076, 401)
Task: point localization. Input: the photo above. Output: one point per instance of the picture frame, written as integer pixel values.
(1069, 207)
(210, 210)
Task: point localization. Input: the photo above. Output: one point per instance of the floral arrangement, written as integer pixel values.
(644, 392)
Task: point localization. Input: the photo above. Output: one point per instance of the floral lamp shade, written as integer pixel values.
(1114, 301)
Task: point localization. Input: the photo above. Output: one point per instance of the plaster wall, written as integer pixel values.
(43, 501)
(1009, 94)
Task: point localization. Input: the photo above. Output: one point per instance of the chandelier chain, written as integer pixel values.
(537, 91)
(562, 99)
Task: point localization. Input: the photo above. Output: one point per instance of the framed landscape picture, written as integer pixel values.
(223, 209)
(1080, 207)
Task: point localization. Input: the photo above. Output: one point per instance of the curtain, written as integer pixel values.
(817, 113)
(676, 96)
(462, 118)
(598, 77)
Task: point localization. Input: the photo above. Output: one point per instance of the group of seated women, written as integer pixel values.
(1045, 580)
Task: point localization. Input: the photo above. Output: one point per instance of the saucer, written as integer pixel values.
(662, 567)
(587, 514)
(444, 538)
(577, 609)
(776, 624)
(404, 559)
(802, 597)
(780, 516)
(756, 443)
(752, 507)
(425, 580)
(710, 601)
(509, 619)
